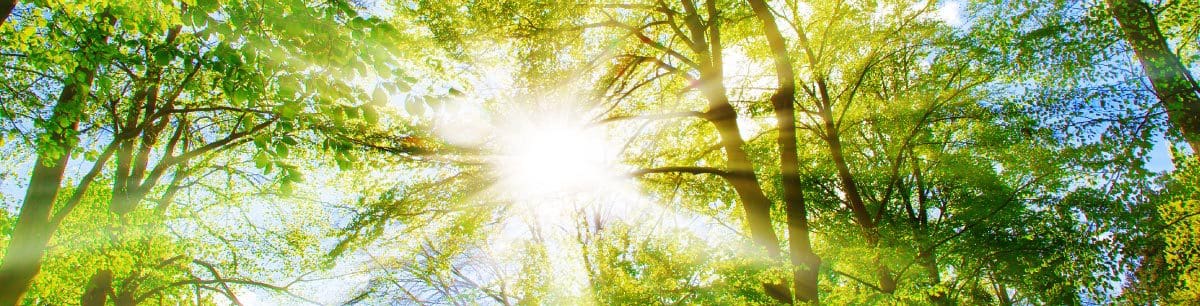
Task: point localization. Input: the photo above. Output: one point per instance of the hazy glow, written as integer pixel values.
(557, 169)
(951, 13)
(554, 168)
(551, 155)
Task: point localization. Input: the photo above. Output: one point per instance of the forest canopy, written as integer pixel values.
(608, 152)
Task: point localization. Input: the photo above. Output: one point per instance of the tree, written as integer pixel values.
(783, 101)
(6, 8)
(703, 69)
(1177, 278)
(1173, 83)
(1072, 64)
(166, 100)
(912, 152)
(22, 258)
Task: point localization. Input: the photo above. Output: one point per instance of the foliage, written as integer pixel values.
(361, 152)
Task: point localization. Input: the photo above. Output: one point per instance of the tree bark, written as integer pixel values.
(742, 177)
(706, 40)
(1173, 84)
(33, 229)
(6, 7)
(805, 261)
(927, 252)
(830, 133)
(129, 188)
(1001, 290)
(755, 203)
(887, 282)
(97, 290)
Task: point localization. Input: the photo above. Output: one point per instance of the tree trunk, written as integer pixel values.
(722, 115)
(1173, 84)
(928, 260)
(126, 296)
(755, 203)
(97, 290)
(6, 7)
(1001, 290)
(33, 229)
(887, 282)
(805, 261)
(743, 179)
(927, 252)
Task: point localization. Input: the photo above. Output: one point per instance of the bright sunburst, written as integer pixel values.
(550, 153)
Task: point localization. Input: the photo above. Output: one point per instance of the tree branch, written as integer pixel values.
(670, 115)
(681, 169)
(84, 184)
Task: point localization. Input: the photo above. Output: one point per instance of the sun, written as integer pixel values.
(553, 155)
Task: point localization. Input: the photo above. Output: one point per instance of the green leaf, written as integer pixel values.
(163, 57)
(261, 160)
(415, 107)
(370, 115)
(282, 150)
(379, 96)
